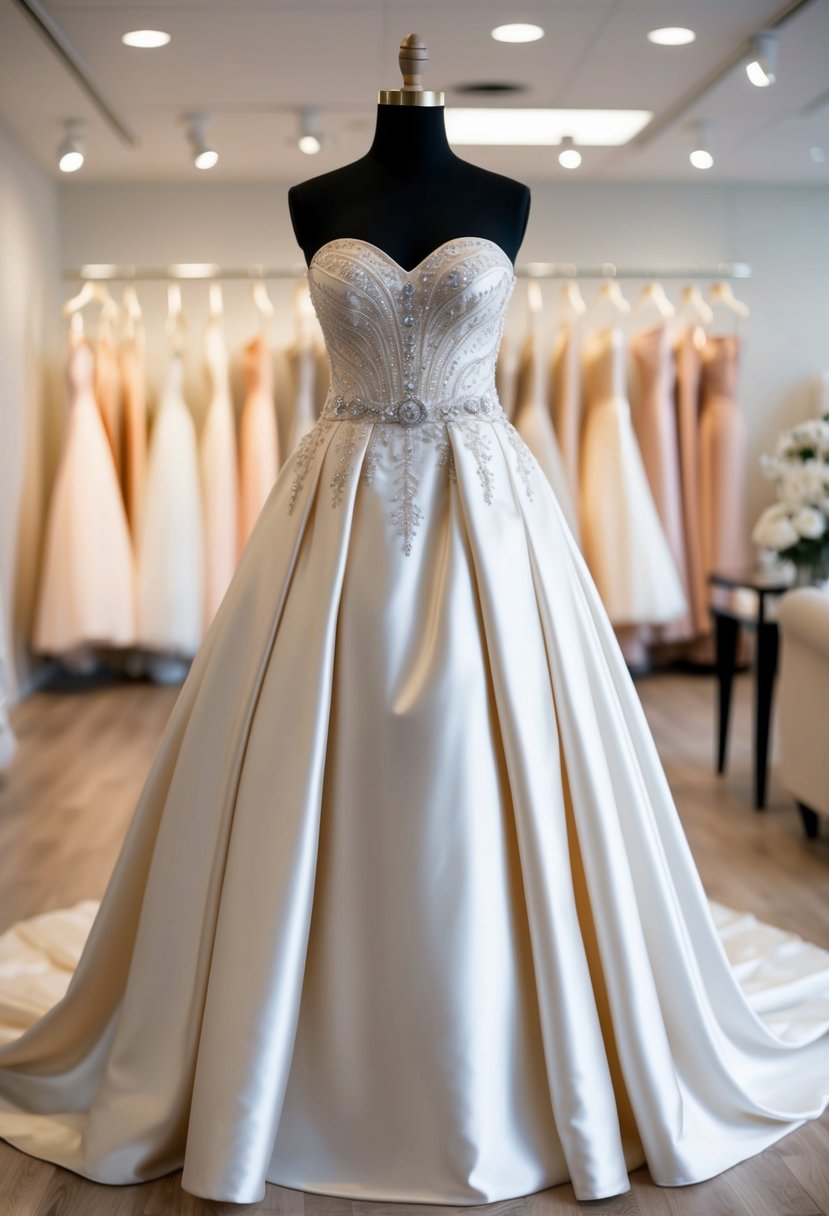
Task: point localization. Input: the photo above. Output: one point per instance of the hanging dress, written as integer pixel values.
(688, 372)
(565, 401)
(133, 382)
(171, 541)
(87, 586)
(622, 536)
(258, 440)
(532, 421)
(721, 458)
(108, 392)
(8, 740)
(654, 421)
(219, 475)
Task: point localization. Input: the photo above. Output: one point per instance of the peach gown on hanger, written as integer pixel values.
(565, 401)
(258, 439)
(721, 457)
(622, 536)
(171, 541)
(532, 421)
(134, 386)
(405, 911)
(108, 394)
(688, 372)
(219, 475)
(654, 421)
(87, 586)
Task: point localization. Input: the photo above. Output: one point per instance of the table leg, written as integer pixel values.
(727, 632)
(809, 818)
(767, 646)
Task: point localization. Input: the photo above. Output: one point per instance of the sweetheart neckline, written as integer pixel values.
(339, 240)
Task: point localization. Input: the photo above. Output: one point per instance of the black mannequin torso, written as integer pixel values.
(409, 194)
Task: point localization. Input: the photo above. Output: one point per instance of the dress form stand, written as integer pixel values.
(410, 193)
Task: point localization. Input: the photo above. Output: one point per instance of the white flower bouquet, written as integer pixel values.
(796, 527)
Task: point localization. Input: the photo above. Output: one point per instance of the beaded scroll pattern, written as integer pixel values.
(411, 352)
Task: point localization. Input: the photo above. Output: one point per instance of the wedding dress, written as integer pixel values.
(405, 910)
(219, 474)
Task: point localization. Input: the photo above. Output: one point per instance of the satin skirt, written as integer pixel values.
(405, 910)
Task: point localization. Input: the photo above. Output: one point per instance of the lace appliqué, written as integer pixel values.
(524, 458)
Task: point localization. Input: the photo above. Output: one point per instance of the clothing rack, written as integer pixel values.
(187, 272)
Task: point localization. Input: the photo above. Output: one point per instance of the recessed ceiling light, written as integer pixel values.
(517, 31)
(818, 155)
(672, 35)
(701, 158)
(146, 39)
(541, 127)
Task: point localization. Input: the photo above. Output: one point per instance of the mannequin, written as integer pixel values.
(410, 193)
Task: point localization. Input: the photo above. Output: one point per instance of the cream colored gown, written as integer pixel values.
(622, 536)
(688, 372)
(565, 401)
(721, 458)
(219, 475)
(532, 421)
(171, 541)
(405, 911)
(87, 586)
(654, 421)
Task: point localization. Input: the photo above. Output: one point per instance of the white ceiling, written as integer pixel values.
(252, 64)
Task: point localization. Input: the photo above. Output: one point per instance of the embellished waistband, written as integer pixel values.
(411, 411)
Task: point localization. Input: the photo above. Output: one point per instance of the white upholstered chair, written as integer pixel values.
(803, 701)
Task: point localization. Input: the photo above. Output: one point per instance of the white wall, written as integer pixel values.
(30, 405)
(783, 233)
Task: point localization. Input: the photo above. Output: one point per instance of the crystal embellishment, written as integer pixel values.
(412, 357)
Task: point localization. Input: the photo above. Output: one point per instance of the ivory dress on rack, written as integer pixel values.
(565, 401)
(219, 474)
(133, 381)
(532, 421)
(171, 540)
(258, 440)
(405, 911)
(654, 420)
(688, 371)
(622, 536)
(87, 586)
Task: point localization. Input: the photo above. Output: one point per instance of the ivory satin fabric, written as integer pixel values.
(405, 910)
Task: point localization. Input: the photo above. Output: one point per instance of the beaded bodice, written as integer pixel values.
(414, 339)
(411, 353)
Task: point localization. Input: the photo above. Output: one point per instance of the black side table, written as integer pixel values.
(745, 598)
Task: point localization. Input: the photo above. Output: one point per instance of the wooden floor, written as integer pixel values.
(64, 808)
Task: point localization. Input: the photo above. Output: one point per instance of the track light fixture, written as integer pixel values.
(71, 149)
(204, 157)
(701, 157)
(569, 156)
(762, 68)
(309, 140)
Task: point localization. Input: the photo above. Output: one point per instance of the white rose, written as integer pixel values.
(773, 531)
(809, 523)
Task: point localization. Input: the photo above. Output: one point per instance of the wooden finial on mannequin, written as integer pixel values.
(412, 59)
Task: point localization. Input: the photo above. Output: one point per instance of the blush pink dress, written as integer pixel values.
(258, 440)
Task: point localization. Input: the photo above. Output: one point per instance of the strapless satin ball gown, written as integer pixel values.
(405, 910)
